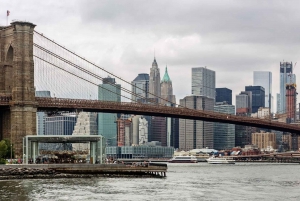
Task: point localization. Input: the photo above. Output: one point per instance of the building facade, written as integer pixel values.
(286, 77)
(154, 81)
(264, 140)
(264, 79)
(107, 126)
(224, 134)
(195, 134)
(258, 97)
(140, 86)
(224, 95)
(86, 124)
(244, 103)
(167, 90)
(203, 82)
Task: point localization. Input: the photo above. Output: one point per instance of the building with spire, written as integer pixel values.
(154, 81)
(167, 89)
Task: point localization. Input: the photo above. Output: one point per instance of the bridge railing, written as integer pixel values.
(159, 110)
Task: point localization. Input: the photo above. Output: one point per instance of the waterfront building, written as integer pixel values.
(86, 124)
(140, 86)
(286, 77)
(224, 95)
(154, 81)
(258, 97)
(147, 151)
(107, 127)
(264, 140)
(203, 82)
(264, 79)
(195, 134)
(224, 134)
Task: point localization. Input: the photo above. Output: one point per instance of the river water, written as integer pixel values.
(200, 181)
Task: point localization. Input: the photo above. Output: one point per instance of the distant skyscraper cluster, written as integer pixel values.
(125, 130)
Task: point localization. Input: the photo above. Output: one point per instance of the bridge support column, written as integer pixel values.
(17, 67)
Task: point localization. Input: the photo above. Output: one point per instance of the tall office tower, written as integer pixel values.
(224, 95)
(243, 108)
(159, 130)
(244, 103)
(61, 124)
(278, 103)
(291, 98)
(169, 100)
(135, 129)
(107, 127)
(195, 134)
(203, 82)
(175, 133)
(86, 125)
(224, 134)
(258, 97)
(167, 89)
(286, 77)
(140, 86)
(264, 79)
(154, 81)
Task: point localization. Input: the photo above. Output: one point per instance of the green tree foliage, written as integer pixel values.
(9, 149)
(3, 149)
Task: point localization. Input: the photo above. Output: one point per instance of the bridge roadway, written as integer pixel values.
(60, 104)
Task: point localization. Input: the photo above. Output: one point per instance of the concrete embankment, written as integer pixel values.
(79, 171)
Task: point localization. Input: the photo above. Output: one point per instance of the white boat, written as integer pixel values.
(220, 160)
(183, 159)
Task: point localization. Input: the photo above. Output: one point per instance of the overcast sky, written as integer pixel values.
(233, 38)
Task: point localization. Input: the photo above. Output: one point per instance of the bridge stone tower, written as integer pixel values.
(17, 81)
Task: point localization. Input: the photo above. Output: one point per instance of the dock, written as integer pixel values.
(81, 170)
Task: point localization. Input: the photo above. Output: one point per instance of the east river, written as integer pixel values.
(200, 181)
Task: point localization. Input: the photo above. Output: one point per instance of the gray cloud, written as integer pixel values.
(234, 38)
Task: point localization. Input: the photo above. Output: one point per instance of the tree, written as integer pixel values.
(3, 149)
(9, 149)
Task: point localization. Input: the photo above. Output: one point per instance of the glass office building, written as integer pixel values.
(107, 126)
(203, 82)
(264, 79)
(286, 77)
(224, 95)
(258, 97)
(224, 134)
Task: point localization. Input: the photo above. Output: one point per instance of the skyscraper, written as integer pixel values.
(107, 127)
(286, 77)
(224, 95)
(167, 89)
(258, 97)
(203, 82)
(154, 81)
(195, 134)
(169, 100)
(140, 86)
(224, 134)
(264, 79)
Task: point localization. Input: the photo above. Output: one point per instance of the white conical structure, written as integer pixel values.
(86, 125)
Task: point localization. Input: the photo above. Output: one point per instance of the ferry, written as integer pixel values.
(220, 160)
(183, 159)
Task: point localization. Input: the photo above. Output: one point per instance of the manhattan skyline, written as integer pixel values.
(231, 38)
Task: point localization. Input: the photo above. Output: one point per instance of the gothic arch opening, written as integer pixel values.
(10, 54)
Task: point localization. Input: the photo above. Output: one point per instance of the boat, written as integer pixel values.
(220, 160)
(183, 159)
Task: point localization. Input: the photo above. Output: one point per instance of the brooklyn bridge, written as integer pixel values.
(29, 59)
